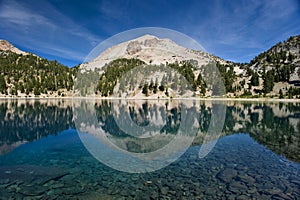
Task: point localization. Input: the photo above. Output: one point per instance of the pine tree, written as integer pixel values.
(167, 92)
(203, 90)
(268, 81)
(3, 86)
(280, 94)
(161, 88)
(145, 89)
(255, 79)
(151, 86)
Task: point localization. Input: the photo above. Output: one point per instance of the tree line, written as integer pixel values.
(31, 74)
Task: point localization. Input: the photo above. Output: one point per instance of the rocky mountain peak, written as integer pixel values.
(149, 49)
(133, 47)
(6, 46)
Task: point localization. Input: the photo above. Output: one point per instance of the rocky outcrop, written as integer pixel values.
(6, 46)
(133, 47)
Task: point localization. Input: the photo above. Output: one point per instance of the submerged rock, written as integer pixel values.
(227, 175)
(246, 179)
(31, 173)
(237, 187)
(32, 190)
(281, 196)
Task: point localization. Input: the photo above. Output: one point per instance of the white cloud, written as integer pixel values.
(12, 13)
(45, 30)
(235, 28)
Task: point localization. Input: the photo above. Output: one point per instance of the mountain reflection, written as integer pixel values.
(143, 127)
(275, 125)
(155, 123)
(23, 121)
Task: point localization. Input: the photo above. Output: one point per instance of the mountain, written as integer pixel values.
(137, 69)
(271, 73)
(150, 49)
(27, 75)
(277, 69)
(283, 53)
(6, 46)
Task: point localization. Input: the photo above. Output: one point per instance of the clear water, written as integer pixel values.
(43, 155)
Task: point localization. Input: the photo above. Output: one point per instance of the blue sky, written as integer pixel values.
(67, 30)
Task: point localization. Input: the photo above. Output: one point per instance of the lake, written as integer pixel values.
(117, 149)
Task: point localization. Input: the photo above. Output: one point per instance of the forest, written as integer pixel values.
(31, 74)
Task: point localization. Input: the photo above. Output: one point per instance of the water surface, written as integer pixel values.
(43, 155)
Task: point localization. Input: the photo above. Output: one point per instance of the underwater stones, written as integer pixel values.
(252, 190)
(4, 181)
(50, 193)
(246, 179)
(68, 178)
(241, 168)
(295, 181)
(269, 191)
(12, 188)
(195, 184)
(124, 192)
(154, 195)
(148, 183)
(58, 185)
(237, 187)
(32, 191)
(164, 190)
(210, 191)
(122, 179)
(231, 197)
(242, 197)
(73, 191)
(131, 192)
(281, 196)
(31, 173)
(172, 192)
(134, 177)
(227, 175)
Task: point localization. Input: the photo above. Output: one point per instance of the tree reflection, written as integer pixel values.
(25, 121)
(275, 125)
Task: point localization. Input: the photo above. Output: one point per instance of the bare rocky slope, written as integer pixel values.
(151, 49)
(6, 46)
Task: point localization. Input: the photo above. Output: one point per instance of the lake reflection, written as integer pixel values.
(44, 155)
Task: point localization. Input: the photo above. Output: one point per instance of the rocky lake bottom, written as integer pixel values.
(59, 167)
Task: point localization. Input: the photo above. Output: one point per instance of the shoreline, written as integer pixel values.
(156, 99)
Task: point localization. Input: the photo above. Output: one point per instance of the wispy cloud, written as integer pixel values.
(13, 14)
(229, 29)
(248, 27)
(48, 31)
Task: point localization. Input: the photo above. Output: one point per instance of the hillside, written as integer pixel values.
(27, 75)
(273, 73)
(278, 69)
